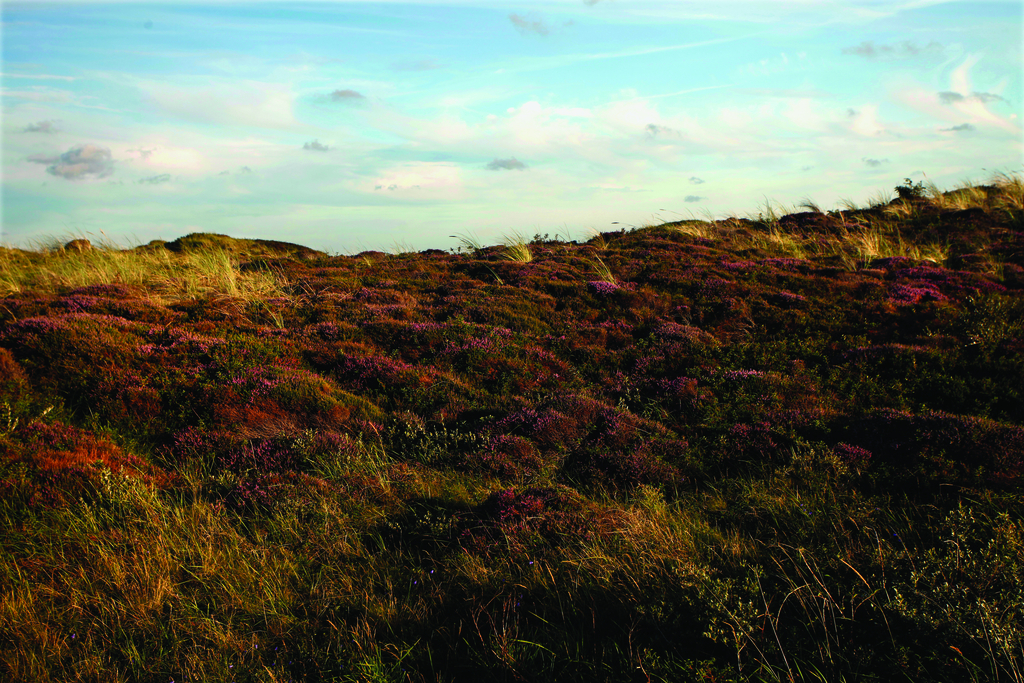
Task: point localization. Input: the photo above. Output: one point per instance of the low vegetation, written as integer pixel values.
(787, 447)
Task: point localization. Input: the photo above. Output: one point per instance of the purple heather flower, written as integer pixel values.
(603, 288)
(742, 374)
(912, 294)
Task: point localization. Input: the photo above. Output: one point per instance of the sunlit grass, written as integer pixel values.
(163, 274)
(604, 273)
(696, 228)
(517, 249)
(1011, 190)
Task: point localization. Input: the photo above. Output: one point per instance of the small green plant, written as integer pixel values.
(908, 190)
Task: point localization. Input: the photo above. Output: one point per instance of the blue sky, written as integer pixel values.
(348, 126)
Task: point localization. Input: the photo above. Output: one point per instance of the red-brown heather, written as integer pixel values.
(788, 447)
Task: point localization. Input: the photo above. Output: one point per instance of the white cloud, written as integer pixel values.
(440, 181)
(961, 101)
(246, 103)
(865, 121)
(78, 163)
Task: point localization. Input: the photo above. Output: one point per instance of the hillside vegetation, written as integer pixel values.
(788, 447)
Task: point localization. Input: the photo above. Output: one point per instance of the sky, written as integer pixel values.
(394, 126)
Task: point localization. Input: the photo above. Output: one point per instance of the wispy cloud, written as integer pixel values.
(41, 127)
(962, 128)
(224, 101)
(905, 50)
(78, 163)
(417, 65)
(346, 96)
(38, 77)
(316, 146)
(654, 130)
(950, 97)
(874, 163)
(525, 26)
(691, 198)
(510, 164)
(156, 179)
(40, 94)
(696, 181)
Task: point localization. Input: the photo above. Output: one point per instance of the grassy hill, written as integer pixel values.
(787, 447)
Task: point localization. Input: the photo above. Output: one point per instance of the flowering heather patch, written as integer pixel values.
(740, 375)
(603, 288)
(790, 299)
(893, 263)
(130, 309)
(903, 295)
(950, 282)
(180, 341)
(671, 330)
(678, 387)
(377, 372)
(940, 445)
(258, 455)
(713, 288)
(529, 517)
(884, 349)
(751, 441)
(451, 466)
(853, 455)
(788, 264)
(548, 429)
(54, 464)
(13, 380)
(509, 457)
(737, 266)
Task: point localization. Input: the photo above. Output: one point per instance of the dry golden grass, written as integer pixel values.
(517, 249)
(1010, 189)
(699, 229)
(164, 275)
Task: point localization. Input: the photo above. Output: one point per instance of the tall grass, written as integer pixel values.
(865, 237)
(163, 274)
(517, 249)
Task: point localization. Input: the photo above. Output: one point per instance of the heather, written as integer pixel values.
(782, 447)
